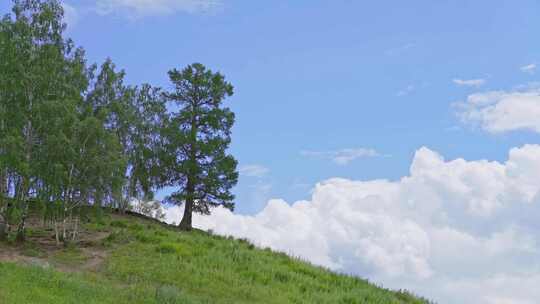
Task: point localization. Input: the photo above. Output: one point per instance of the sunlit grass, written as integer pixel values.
(149, 263)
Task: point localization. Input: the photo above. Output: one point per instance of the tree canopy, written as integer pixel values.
(197, 138)
(74, 134)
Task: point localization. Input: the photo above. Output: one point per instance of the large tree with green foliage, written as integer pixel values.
(196, 142)
(135, 115)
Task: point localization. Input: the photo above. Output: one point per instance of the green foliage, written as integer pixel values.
(70, 135)
(135, 116)
(40, 85)
(196, 139)
(73, 134)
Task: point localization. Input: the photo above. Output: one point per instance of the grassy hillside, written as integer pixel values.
(128, 259)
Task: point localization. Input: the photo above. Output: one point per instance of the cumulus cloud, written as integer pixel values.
(456, 231)
(504, 289)
(530, 68)
(253, 170)
(469, 82)
(343, 156)
(138, 8)
(502, 111)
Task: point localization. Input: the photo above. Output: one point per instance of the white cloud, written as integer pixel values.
(139, 8)
(500, 111)
(470, 82)
(530, 68)
(344, 156)
(503, 289)
(253, 170)
(456, 231)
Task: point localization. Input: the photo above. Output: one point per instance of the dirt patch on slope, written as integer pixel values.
(41, 250)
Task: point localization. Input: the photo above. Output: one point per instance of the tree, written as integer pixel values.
(196, 139)
(55, 151)
(71, 136)
(108, 100)
(147, 117)
(6, 53)
(34, 74)
(135, 115)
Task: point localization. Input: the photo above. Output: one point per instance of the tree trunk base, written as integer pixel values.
(20, 238)
(3, 233)
(3, 229)
(187, 220)
(184, 226)
(21, 231)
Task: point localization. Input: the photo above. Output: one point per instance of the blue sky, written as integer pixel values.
(353, 90)
(330, 75)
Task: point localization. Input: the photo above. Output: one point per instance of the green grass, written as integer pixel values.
(149, 263)
(31, 250)
(70, 256)
(36, 285)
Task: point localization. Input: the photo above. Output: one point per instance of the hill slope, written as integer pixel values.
(129, 259)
